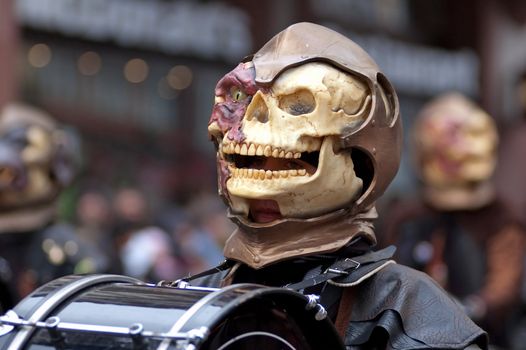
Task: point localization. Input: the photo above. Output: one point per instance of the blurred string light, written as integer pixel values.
(86, 265)
(89, 63)
(54, 251)
(179, 77)
(71, 248)
(47, 244)
(39, 55)
(136, 70)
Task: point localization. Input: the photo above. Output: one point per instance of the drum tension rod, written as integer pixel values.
(136, 333)
(56, 337)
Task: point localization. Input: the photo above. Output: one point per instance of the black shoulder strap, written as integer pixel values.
(225, 265)
(344, 268)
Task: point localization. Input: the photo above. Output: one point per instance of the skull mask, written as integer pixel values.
(37, 160)
(298, 131)
(296, 122)
(455, 145)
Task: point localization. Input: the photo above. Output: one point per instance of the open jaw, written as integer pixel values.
(265, 162)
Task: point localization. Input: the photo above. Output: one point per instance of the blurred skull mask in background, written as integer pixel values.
(308, 133)
(37, 159)
(455, 145)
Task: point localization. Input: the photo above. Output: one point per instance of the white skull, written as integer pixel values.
(304, 112)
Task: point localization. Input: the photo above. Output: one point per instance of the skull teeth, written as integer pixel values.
(260, 174)
(252, 149)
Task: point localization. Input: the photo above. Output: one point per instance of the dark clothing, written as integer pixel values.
(470, 253)
(39, 256)
(393, 308)
(510, 171)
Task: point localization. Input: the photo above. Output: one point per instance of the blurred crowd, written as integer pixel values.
(112, 230)
(117, 232)
(136, 241)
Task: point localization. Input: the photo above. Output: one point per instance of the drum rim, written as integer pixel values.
(56, 297)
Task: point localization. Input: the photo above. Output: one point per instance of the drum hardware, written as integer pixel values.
(312, 303)
(195, 337)
(97, 311)
(188, 340)
(138, 340)
(55, 335)
(251, 334)
(183, 284)
(4, 326)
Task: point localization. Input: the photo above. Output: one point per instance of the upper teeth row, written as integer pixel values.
(262, 174)
(252, 149)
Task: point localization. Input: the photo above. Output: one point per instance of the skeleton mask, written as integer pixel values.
(455, 149)
(308, 128)
(37, 159)
(296, 123)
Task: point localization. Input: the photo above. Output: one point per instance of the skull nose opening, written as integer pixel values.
(258, 109)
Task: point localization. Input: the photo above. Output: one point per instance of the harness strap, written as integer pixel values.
(344, 311)
(346, 267)
(225, 265)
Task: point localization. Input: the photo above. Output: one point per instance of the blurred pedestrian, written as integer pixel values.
(149, 255)
(38, 159)
(211, 228)
(131, 212)
(511, 170)
(458, 230)
(93, 223)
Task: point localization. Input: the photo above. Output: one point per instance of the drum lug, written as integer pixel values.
(57, 338)
(194, 338)
(7, 322)
(136, 333)
(181, 284)
(313, 303)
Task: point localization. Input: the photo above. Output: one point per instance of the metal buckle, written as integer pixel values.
(358, 264)
(344, 272)
(339, 272)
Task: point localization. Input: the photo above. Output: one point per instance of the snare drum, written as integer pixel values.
(118, 312)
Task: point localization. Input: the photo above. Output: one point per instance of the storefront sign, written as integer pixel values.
(211, 30)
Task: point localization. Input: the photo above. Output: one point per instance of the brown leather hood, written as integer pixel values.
(259, 245)
(379, 138)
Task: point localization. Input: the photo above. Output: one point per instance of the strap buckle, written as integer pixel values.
(344, 267)
(357, 264)
(336, 271)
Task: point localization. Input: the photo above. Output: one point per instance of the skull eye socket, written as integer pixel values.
(237, 94)
(298, 103)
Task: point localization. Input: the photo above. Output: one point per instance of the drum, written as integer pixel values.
(118, 312)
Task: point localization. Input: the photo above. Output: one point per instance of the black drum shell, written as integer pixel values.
(119, 301)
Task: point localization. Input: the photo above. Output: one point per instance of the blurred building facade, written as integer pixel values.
(137, 77)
